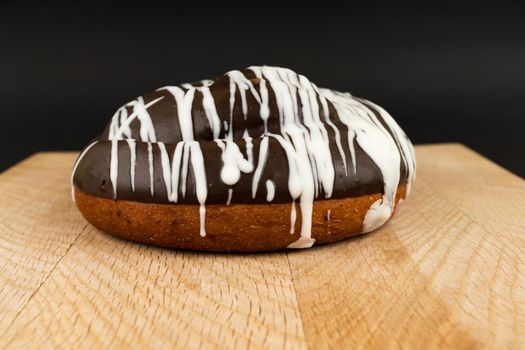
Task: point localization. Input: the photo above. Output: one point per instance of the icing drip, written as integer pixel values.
(270, 190)
(184, 171)
(239, 82)
(166, 168)
(375, 140)
(171, 174)
(405, 147)
(230, 192)
(263, 156)
(211, 112)
(307, 143)
(197, 163)
(303, 127)
(293, 218)
(184, 101)
(175, 172)
(150, 161)
(80, 157)
(233, 162)
(113, 166)
(326, 114)
(120, 127)
(265, 111)
(249, 146)
(132, 161)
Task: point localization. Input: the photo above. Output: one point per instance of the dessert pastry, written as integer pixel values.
(258, 159)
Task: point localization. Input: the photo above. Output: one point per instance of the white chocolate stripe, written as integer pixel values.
(75, 168)
(147, 131)
(263, 155)
(113, 166)
(270, 190)
(150, 163)
(132, 161)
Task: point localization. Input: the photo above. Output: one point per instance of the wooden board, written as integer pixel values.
(447, 272)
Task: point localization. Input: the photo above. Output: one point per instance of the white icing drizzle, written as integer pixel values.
(184, 171)
(263, 156)
(270, 190)
(119, 118)
(351, 138)
(305, 142)
(184, 100)
(171, 173)
(293, 218)
(308, 153)
(233, 162)
(75, 168)
(375, 140)
(239, 82)
(249, 146)
(166, 168)
(230, 192)
(132, 161)
(175, 172)
(201, 188)
(150, 163)
(328, 121)
(205, 82)
(211, 111)
(120, 127)
(407, 150)
(113, 166)
(265, 110)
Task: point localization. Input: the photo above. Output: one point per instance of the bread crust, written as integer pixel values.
(229, 228)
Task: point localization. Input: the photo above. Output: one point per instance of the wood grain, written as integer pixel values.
(447, 272)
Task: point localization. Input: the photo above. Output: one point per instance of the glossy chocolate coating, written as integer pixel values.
(92, 174)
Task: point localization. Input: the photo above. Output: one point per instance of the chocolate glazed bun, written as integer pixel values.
(257, 159)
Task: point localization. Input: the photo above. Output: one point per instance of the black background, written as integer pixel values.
(446, 72)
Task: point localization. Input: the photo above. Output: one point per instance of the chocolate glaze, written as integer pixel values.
(92, 174)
